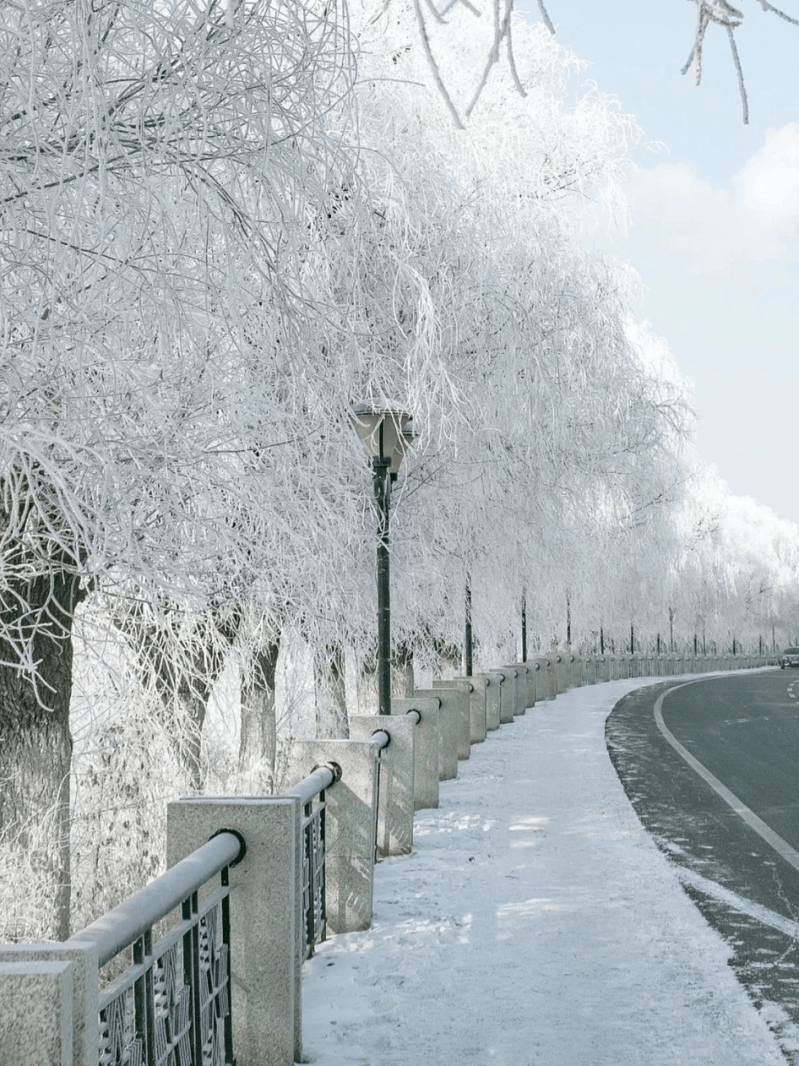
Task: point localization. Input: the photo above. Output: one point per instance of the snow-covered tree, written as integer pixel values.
(156, 162)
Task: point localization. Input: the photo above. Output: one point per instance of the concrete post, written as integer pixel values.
(351, 827)
(507, 696)
(395, 799)
(477, 707)
(561, 666)
(544, 679)
(464, 687)
(496, 679)
(426, 747)
(265, 916)
(576, 671)
(529, 685)
(522, 700)
(449, 724)
(58, 985)
(531, 682)
(36, 1026)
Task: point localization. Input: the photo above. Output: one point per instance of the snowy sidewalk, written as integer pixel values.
(535, 922)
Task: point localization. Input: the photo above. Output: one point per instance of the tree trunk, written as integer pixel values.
(450, 660)
(402, 679)
(332, 722)
(183, 668)
(36, 750)
(367, 686)
(258, 743)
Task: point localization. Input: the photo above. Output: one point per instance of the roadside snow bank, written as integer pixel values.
(535, 922)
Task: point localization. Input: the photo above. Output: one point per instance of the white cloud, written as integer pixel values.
(768, 183)
(755, 220)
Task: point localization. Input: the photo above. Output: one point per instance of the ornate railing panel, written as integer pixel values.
(313, 873)
(311, 792)
(171, 1006)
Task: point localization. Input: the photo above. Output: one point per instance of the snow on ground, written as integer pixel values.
(535, 922)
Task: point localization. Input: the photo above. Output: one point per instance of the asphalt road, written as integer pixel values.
(744, 731)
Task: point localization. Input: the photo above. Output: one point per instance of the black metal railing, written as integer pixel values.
(311, 792)
(171, 1006)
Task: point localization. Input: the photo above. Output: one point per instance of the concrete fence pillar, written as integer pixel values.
(49, 998)
(464, 688)
(37, 1013)
(529, 686)
(451, 726)
(545, 686)
(530, 664)
(524, 697)
(478, 707)
(265, 915)
(350, 825)
(395, 798)
(577, 671)
(496, 679)
(426, 747)
(557, 667)
(507, 696)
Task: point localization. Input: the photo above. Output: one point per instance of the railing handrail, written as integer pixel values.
(380, 739)
(319, 779)
(120, 927)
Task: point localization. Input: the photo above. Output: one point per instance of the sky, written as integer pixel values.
(714, 223)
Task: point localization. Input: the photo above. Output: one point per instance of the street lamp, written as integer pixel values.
(385, 439)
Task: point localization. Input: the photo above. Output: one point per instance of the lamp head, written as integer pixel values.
(383, 433)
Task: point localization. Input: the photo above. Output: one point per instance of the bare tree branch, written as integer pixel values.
(741, 85)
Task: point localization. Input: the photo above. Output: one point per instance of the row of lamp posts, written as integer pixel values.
(386, 436)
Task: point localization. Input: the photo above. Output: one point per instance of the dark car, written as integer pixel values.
(790, 657)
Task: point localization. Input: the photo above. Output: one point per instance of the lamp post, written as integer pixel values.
(524, 625)
(467, 631)
(385, 440)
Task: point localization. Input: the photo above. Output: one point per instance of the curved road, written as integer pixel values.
(718, 787)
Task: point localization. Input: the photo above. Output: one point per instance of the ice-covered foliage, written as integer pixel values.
(222, 227)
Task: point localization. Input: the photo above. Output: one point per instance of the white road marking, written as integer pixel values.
(782, 847)
(739, 903)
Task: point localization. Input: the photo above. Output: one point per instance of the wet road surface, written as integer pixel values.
(744, 732)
